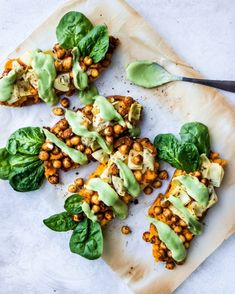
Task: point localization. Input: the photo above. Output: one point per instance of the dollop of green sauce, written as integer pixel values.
(75, 120)
(194, 225)
(108, 195)
(76, 155)
(170, 238)
(107, 110)
(43, 65)
(7, 85)
(86, 96)
(148, 74)
(88, 212)
(80, 78)
(194, 188)
(129, 179)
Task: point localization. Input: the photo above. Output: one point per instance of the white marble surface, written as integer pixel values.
(203, 33)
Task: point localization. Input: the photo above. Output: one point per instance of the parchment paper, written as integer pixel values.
(165, 109)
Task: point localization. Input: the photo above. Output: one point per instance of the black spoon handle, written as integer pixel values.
(223, 85)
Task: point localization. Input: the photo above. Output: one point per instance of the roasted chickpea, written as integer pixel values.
(72, 188)
(58, 65)
(186, 245)
(60, 53)
(148, 190)
(124, 149)
(57, 130)
(137, 147)
(80, 147)
(58, 111)
(138, 175)
(138, 159)
(95, 199)
(188, 236)
(178, 229)
(205, 181)
(87, 109)
(108, 215)
(67, 63)
(163, 246)
(170, 265)
(182, 238)
(197, 174)
(163, 175)
(79, 182)
(63, 124)
(67, 163)
(43, 155)
(68, 143)
(47, 146)
(109, 139)
(57, 164)
(150, 175)
(182, 223)
(75, 140)
(88, 60)
(54, 179)
(167, 213)
(88, 151)
(125, 230)
(95, 208)
(146, 236)
(94, 73)
(118, 129)
(55, 150)
(113, 170)
(65, 102)
(158, 210)
(157, 184)
(108, 131)
(67, 133)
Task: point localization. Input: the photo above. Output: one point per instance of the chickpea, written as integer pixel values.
(72, 188)
(104, 222)
(43, 155)
(158, 210)
(57, 164)
(188, 236)
(95, 199)
(67, 133)
(54, 179)
(67, 163)
(197, 174)
(89, 193)
(113, 170)
(68, 143)
(95, 208)
(63, 124)
(182, 238)
(170, 265)
(75, 140)
(87, 109)
(65, 102)
(123, 149)
(79, 182)
(137, 147)
(167, 213)
(178, 229)
(138, 159)
(94, 73)
(169, 254)
(205, 181)
(56, 130)
(109, 139)
(88, 60)
(163, 246)
(55, 150)
(118, 129)
(146, 236)
(88, 151)
(80, 147)
(76, 218)
(138, 175)
(108, 215)
(58, 65)
(163, 175)
(60, 53)
(58, 111)
(67, 63)
(150, 175)
(125, 230)
(182, 223)
(174, 218)
(108, 131)
(186, 245)
(157, 184)
(148, 190)
(47, 146)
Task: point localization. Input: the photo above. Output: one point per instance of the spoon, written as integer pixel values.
(150, 74)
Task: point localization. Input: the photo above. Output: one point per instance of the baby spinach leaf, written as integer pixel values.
(60, 222)
(198, 134)
(26, 141)
(27, 177)
(87, 239)
(188, 156)
(72, 27)
(86, 96)
(5, 167)
(18, 160)
(95, 43)
(73, 204)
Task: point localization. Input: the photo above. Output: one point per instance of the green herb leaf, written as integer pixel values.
(5, 167)
(73, 204)
(86, 96)
(28, 177)
(26, 141)
(60, 222)
(95, 43)
(87, 239)
(72, 27)
(198, 134)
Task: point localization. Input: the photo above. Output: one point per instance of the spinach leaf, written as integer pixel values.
(5, 167)
(87, 240)
(95, 43)
(28, 177)
(183, 156)
(18, 160)
(26, 141)
(73, 204)
(198, 134)
(60, 222)
(86, 96)
(80, 78)
(72, 27)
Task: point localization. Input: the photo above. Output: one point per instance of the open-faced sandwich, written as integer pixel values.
(82, 52)
(132, 167)
(87, 134)
(176, 216)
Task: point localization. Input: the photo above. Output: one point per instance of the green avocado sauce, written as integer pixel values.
(86, 96)
(129, 179)
(80, 78)
(107, 110)
(88, 212)
(194, 188)
(75, 120)
(76, 155)
(170, 238)
(43, 65)
(194, 225)
(148, 74)
(108, 195)
(7, 85)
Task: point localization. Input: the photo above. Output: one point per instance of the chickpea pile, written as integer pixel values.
(161, 211)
